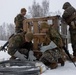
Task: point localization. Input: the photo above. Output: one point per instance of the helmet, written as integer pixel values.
(29, 36)
(66, 5)
(44, 25)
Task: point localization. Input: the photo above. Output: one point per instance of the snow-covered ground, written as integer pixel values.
(3, 55)
(68, 69)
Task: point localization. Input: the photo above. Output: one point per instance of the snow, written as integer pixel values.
(68, 69)
(3, 55)
(70, 49)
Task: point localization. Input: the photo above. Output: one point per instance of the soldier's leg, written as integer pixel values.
(58, 56)
(74, 49)
(24, 51)
(16, 53)
(49, 60)
(73, 41)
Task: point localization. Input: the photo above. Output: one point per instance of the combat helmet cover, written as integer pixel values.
(66, 5)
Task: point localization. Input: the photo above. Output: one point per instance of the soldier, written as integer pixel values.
(69, 16)
(19, 20)
(20, 45)
(52, 55)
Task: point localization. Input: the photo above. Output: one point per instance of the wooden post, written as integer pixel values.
(39, 38)
(35, 27)
(25, 26)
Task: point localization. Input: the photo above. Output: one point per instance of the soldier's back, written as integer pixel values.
(55, 36)
(14, 43)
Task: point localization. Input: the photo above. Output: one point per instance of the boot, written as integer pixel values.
(74, 59)
(12, 58)
(53, 65)
(61, 61)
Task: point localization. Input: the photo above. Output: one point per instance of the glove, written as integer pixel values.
(52, 45)
(31, 56)
(20, 56)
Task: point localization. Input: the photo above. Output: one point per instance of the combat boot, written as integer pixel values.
(53, 65)
(74, 59)
(61, 61)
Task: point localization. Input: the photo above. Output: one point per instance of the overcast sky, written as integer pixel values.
(10, 8)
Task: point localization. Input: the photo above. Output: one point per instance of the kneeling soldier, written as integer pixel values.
(52, 53)
(20, 45)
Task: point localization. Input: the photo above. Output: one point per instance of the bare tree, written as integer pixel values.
(45, 6)
(37, 10)
(6, 30)
(1, 34)
(55, 13)
(10, 29)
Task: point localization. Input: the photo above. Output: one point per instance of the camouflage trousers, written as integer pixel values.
(73, 40)
(22, 51)
(51, 56)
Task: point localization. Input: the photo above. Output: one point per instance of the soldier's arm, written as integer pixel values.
(56, 38)
(31, 46)
(68, 12)
(13, 45)
(65, 14)
(19, 18)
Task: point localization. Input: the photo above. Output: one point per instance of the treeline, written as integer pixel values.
(6, 30)
(35, 10)
(41, 10)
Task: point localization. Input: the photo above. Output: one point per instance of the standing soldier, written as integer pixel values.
(52, 55)
(19, 45)
(19, 20)
(69, 16)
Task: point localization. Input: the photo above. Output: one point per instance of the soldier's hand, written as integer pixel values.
(31, 56)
